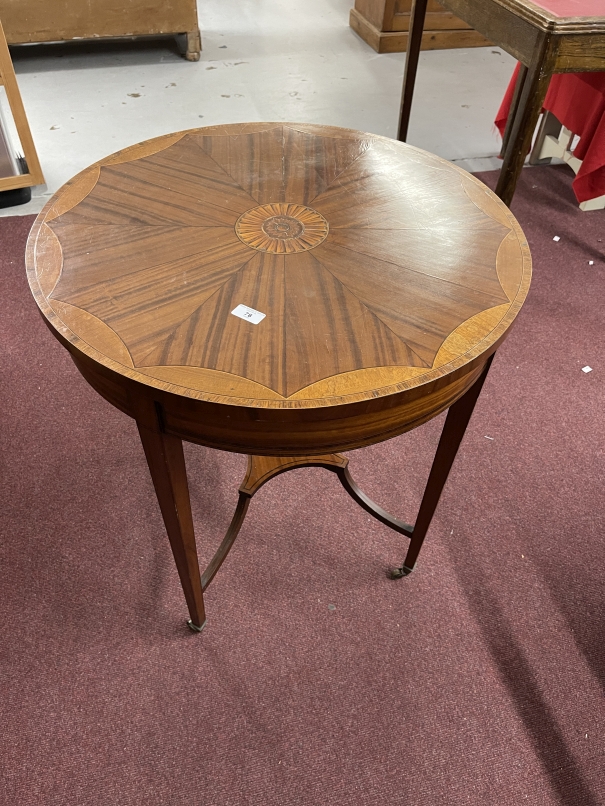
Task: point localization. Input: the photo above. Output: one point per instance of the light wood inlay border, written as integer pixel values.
(512, 267)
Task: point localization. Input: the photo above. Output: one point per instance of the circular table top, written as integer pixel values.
(378, 267)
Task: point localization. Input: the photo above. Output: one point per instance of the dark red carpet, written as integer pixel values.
(477, 680)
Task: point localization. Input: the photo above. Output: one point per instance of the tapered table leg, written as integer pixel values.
(521, 76)
(456, 422)
(518, 141)
(411, 65)
(164, 454)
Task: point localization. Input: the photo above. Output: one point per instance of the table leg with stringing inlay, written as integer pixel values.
(458, 417)
(166, 463)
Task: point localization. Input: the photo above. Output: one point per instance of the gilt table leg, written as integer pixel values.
(456, 422)
(411, 66)
(166, 461)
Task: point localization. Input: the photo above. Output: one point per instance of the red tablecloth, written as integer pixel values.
(578, 101)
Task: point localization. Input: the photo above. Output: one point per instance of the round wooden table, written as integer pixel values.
(282, 290)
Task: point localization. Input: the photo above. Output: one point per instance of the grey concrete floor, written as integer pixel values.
(261, 60)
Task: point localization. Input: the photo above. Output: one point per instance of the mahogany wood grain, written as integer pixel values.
(166, 462)
(387, 276)
(262, 469)
(137, 264)
(453, 431)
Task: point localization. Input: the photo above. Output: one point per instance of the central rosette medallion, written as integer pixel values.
(282, 228)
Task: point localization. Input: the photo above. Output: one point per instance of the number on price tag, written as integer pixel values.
(249, 314)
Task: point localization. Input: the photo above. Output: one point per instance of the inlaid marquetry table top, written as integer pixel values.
(281, 290)
(378, 267)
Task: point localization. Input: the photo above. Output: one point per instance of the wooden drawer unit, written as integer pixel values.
(33, 20)
(384, 24)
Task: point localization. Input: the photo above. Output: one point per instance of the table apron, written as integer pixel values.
(282, 432)
(580, 53)
(506, 30)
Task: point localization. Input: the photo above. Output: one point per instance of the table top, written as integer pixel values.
(573, 8)
(378, 267)
(563, 17)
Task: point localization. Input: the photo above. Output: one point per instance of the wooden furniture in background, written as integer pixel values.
(41, 21)
(34, 174)
(546, 36)
(385, 25)
(387, 278)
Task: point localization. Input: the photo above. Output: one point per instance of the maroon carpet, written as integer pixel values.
(476, 680)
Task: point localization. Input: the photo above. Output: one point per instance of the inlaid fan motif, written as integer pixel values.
(360, 253)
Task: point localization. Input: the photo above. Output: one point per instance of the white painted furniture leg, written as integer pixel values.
(554, 140)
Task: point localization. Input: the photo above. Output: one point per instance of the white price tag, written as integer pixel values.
(249, 314)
